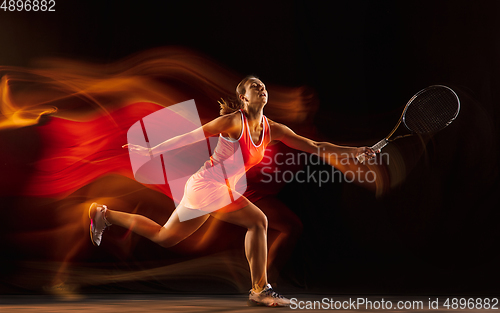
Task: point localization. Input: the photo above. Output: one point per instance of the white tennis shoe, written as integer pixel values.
(98, 222)
(267, 297)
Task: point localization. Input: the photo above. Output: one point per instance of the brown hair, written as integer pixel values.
(232, 104)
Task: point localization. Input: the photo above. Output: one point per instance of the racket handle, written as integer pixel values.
(378, 146)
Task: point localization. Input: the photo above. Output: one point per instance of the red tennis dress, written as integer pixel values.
(214, 186)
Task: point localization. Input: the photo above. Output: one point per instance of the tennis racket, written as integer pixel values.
(428, 111)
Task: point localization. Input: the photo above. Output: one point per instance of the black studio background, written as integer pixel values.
(437, 233)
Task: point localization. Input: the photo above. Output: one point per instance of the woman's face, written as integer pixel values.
(255, 92)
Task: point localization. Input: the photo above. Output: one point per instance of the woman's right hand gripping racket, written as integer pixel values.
(428, 111)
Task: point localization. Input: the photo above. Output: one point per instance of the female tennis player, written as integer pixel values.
(242, 127)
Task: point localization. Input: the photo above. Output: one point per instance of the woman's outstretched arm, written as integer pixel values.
(328, 151)
(229, 124)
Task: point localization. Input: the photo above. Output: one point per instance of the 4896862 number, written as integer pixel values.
(28, 5)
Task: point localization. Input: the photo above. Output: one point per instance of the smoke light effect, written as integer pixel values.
(217, 267)
(96, 104)
(18, 115)
(80, 114)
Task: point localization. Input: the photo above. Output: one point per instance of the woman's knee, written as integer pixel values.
(169, 241)
(175, 231)
(166, 239)
(260, 222)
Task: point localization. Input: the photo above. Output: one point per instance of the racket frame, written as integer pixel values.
(382, 143)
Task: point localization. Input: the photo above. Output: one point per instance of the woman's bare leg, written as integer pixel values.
(289, 227)
(252, 218)
(166, 236)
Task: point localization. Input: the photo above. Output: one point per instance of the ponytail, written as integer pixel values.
(230, 106)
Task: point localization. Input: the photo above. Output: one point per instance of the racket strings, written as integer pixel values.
(431, 110)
